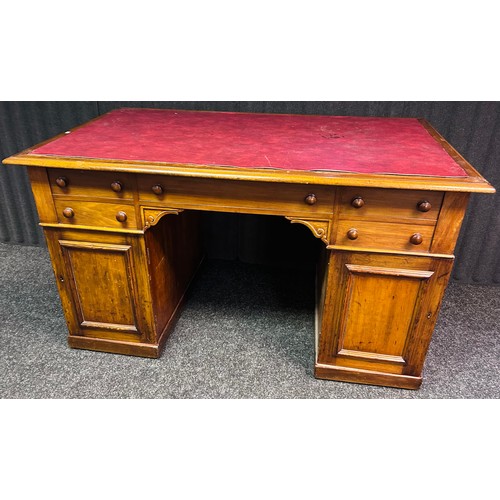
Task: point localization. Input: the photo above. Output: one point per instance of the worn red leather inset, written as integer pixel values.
(249, 140)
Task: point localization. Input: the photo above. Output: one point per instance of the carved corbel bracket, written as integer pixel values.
(151, 216)
(321, 228)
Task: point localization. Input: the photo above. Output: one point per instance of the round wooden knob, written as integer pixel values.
(352, 234)
(311, 199)
(357, 202)
(68, 212)
(62, 182)
(424, 206)
(157, 189)
(116, 186)
(416, 239)
(121, 216)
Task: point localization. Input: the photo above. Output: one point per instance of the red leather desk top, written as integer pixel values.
(249, 140)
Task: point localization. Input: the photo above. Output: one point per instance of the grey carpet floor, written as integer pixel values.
(246, 332)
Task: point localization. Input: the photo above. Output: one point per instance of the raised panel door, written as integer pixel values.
(102, 285)
(105, 291)
(380, 312)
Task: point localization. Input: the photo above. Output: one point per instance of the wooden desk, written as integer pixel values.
(119, 201)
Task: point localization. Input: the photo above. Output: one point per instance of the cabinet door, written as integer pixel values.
(103, 292)
(379, 311)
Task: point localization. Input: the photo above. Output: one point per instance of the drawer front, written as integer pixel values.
(113, 185)
(87, 213)
(389, 204)
(384, 235)
(235, 196)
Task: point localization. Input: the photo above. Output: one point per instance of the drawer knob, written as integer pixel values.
(357, 202)
(424, 206)
(68, 213)
(116, 186)
(311, 199)
(157, 189)
(352, 234)
(121, 216)
(416, 239)
(62, 182)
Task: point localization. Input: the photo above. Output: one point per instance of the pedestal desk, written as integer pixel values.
(119, 200)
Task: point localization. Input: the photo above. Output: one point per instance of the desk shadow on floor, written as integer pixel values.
(248, 308)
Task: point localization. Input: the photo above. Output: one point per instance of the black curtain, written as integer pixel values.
(471, 127)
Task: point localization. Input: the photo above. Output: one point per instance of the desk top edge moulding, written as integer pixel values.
(119, 200)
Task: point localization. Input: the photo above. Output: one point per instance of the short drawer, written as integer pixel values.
(384, 235)
(235, 196)
(114, 185)
(88, 213)
(389, 204)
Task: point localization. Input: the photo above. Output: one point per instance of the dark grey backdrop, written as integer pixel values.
(471, 127)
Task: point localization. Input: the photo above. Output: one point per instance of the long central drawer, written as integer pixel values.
(236, 196)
